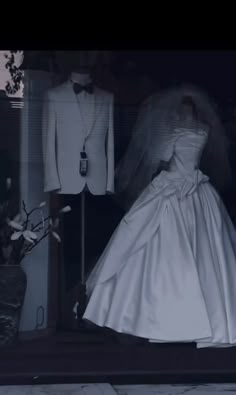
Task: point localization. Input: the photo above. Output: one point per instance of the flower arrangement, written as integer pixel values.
(21, 233)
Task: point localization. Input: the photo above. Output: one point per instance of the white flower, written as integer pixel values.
(15, 225)
(42, 204)
(65, 209)
(18, 219)
(27, 234)
(8, 183)
(30, 234)
(28, 239)
(56, 236)
(56, 223)
(16, 235)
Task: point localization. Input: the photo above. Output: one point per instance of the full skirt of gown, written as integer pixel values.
(168, 273)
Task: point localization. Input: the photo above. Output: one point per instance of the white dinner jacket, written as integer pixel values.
(64, 133)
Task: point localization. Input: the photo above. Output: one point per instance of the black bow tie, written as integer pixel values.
(89, 88)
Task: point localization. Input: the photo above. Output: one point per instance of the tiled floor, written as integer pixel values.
(107, 389)
(207, 389)
(62, 389)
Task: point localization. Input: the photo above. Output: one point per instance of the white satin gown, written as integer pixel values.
(168, 273)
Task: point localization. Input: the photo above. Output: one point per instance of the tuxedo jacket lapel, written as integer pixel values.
(99, 102)
(94, 110)
(73, 106)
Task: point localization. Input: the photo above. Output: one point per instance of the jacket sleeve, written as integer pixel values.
(51, 177)
(110, 148)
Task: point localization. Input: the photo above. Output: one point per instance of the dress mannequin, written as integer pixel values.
(142, 287)
(78, 131)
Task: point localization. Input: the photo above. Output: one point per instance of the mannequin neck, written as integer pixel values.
(80, 77)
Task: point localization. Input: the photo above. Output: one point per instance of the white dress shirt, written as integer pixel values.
(86, 101)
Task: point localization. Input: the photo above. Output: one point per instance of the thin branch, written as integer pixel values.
(33, 209)
(24, 208)
(38, 241)
(40, 223)
(37, 230)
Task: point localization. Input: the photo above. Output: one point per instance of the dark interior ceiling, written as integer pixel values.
(213, 70)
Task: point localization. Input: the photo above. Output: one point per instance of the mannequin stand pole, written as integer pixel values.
(82, 286)
(82, 236)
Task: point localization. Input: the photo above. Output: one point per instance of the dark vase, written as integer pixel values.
(13, 283)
